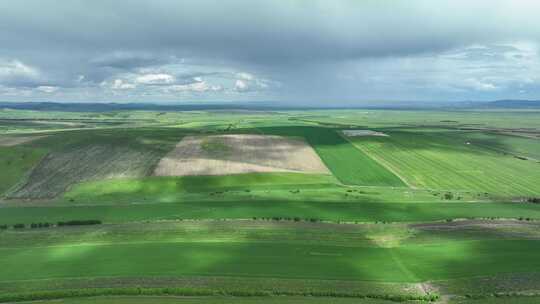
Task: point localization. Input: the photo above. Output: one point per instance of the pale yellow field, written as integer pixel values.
(239, 153)
(353, 133)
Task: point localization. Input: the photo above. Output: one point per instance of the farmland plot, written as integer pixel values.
(15, 162)
(219, 300)
(58, 170)
(302, 251)
(230, 154)
(349, 165)
(453, 161)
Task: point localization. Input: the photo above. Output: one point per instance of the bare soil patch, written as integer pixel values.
(239, 153)
(354, 133)
(508, 229)
(460, 224)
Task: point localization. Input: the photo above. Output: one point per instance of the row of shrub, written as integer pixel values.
(521, 218)
(59, 224)
(176, 291)
(295, 219)
(80, 223)
(40, 225)
(501, 295)
(534, 200)
(315, 220)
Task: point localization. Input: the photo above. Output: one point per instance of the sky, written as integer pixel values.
(332, 52)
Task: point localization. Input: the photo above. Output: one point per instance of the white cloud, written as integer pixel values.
(198, 87)
(241, 85)
(324, 51)
(47, 89)
(119, 84)
(486, 87)
(476, 72)
(8, 91)
(15, 69)
(245, 76)
(479, 85)
(216, 88)
(248, 82)
(150, 79)
(262, 84)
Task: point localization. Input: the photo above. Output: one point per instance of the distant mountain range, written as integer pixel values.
(261, 106)
(103, 107)
(510, 103)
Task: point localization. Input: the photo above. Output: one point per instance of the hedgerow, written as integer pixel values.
(176, 291)
(79, 223)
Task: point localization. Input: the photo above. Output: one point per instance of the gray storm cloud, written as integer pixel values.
(295, 50)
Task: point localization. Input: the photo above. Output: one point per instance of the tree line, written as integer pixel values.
(57, 224)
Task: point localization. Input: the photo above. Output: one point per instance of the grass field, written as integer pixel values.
(334, 211)
(15, 162)
(287, 300)
(291, 187)
(500, 300)
(215, 300)
(345, 253)
(452, 160)
(388, 223)
(175, 189)
(514, 145)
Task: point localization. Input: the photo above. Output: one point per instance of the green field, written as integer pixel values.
(217, 300)
(281, 299)
(444, 205)
(351, 212)
(454, 160)
(438, 261)
(213, 249)
(500, 300)
(245, 187)
(154, 187)
(359, 260)
(15, 162)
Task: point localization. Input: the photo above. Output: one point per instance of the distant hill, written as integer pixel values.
(105, 107)
(513, 104)
(264, 106)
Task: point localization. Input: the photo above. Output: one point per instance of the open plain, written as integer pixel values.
(273, 152)
(267, 207)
